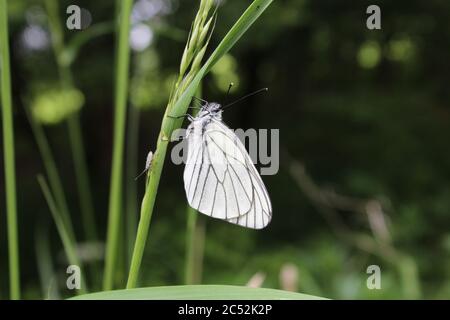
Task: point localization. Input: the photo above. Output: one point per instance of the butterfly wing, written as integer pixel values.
(221, 180)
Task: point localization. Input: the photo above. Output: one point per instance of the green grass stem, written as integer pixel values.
(8, 153)
(52, 173)
(115, 195)
(195, 241)
(69, 245)
(44, 261)
(73, 122)
(132, 169)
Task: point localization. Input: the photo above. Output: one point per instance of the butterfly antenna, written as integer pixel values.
(228, 91)
(140, 174)
(245, 97)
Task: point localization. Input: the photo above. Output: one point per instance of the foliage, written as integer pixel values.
(363, 117)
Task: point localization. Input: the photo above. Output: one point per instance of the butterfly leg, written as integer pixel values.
(191, 118)
(200, 99)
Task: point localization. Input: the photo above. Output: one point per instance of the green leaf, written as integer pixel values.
(197, 292)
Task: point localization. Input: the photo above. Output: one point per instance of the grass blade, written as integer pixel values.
(73, 123)
(131, 219)
(115, 195)
(45, 263)
(8, 146)
(195, 241)
(199, 292)
(51, 171)
(69, 245)
(82, 177)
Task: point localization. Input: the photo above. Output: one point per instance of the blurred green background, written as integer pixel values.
(364, 130)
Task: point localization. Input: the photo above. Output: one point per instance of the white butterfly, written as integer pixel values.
(220, 179)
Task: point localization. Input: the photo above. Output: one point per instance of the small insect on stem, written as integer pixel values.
(148, 164)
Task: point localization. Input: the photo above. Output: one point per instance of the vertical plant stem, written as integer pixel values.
(8, 152)
(190, 246)
(82, 176)
(131, 220)
(146, 211)
(200, 231)
(69, 245)
(115, 195)
(195, 240)
(73, 125)
(52, 173)
(45, 263)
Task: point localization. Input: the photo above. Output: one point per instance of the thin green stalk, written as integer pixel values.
(73, 123)
(131, 219)
(45, 263)
(82, 176)
(115, 195)
(52, 172)
(195, 240)
(179, 107)
(69, 245)
(146, 214)
(190, 245)
(8, 150)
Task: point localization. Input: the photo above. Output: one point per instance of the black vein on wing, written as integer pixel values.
(262, 187)
(214, 199)
(256, 182)
(232, 140)
(203, 189)
(193, 171)
(250, 169)
(217, 177)
(198, 178)
(229, 164)
(240, 182)
(254, 177)
(234, 191)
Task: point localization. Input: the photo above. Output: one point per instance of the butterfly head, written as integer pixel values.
(212, 109)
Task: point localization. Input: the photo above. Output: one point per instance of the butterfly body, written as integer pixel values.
(209, 112)
(220, 179)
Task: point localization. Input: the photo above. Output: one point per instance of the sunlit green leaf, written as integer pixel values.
(198, 292)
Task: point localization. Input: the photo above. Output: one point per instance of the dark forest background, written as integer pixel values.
(364, 144)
